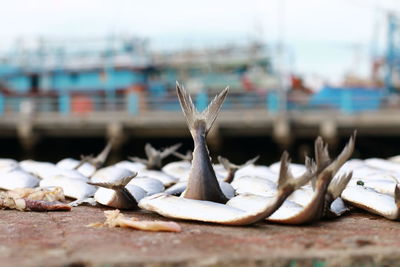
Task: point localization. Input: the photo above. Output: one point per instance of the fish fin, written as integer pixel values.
(226, 163)
(192, 116)
(322, 157)
(136, 159)
(286, 178)
(211, 112)
(337, 185)
(285, 175)
(116, 185)
(250, 161)
(187, 157)
(343, 156)
(102, 156)
(150, 151)
(169, 150)
(187, 106)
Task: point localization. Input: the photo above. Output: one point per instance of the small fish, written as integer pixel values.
(119, 194)
(155, 157)
(233, 168)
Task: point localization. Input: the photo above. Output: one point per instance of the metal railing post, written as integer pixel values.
(64, 103)
(272, 102)
(133, 103)
(2, 102)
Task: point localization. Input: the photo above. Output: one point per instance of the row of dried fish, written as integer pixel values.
(225, 193)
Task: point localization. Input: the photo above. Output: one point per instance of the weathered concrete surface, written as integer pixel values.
(62, 238)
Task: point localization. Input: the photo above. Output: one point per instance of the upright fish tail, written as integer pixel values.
(170, 150)
(193, 116)
(286, 179)
(120, 184)
(102, 156)
(285, 176)
(338, 184)
(343, 156)
(250, 161)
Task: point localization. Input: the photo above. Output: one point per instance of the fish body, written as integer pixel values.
(17, 178)
(110, 174)
(85, 168)
(73, 188)
(150, 185)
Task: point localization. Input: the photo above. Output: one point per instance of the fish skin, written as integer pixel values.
(372, 201)
(254, 185)
(17, 178)
(120, 199)
(85, 169)
(110, 174)
(73, 188)
(178, 169)
(164, 178)
(132, 166)
(150, 185)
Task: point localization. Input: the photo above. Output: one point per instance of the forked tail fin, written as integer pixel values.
(193, 116)
(338, 184)
(118, 185)
(343, 156)
(286, 181)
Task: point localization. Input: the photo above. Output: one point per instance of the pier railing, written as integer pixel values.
(138, 103)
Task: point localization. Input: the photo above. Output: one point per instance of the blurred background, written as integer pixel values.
(74, 74)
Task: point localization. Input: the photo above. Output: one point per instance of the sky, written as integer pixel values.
(321, 37)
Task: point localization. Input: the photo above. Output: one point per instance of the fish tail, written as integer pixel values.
(286, 178)
(337, 185)
(194, 118)
(102, 156)
(344, 155)
(250, 161)
(120, 184)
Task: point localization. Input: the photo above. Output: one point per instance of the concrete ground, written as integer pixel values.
(63, 239)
